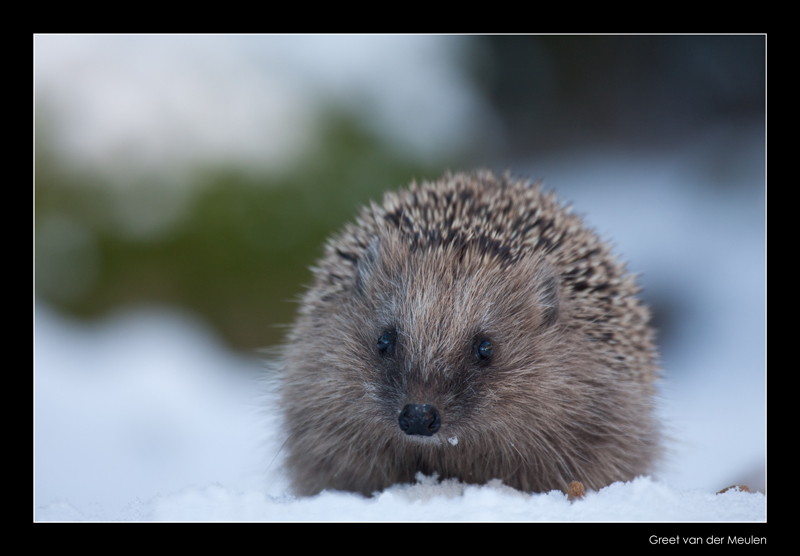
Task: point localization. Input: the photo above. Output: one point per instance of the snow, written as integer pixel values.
(428, 500)
(182, 101)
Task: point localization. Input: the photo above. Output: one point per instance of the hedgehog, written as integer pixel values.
(469, 328)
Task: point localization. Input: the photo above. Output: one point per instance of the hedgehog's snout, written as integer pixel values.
(423, 420)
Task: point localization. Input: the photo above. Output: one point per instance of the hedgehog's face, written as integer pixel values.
(476, 329)
(431, 342)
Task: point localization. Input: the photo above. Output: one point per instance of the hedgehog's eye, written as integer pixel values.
(485, 350)
(386, 341)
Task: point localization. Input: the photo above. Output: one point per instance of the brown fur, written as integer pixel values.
(566, 394)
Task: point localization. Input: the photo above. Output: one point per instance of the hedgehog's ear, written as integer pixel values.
(549, 298)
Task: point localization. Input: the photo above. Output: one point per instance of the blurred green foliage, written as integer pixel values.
(239, 254)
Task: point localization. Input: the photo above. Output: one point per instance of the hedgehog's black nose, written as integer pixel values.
(420, 419)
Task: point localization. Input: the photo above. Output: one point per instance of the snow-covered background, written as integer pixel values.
(146, 415)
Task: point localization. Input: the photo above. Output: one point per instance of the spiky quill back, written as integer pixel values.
(568, 393)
